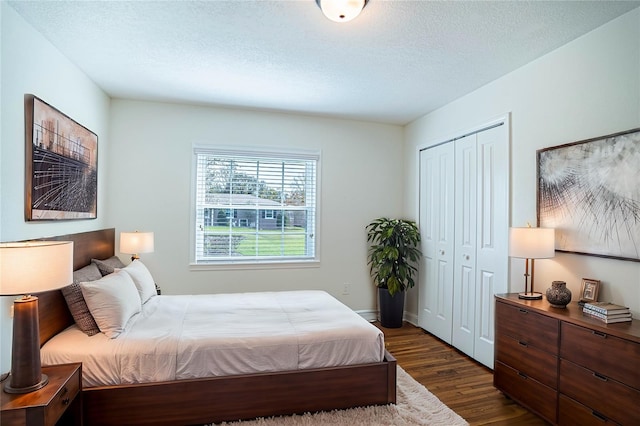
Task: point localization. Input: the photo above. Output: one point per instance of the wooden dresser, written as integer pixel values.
(567, 368)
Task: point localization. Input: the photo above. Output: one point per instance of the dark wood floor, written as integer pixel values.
(461, 383)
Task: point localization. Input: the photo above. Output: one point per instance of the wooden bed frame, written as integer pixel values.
(213, 400)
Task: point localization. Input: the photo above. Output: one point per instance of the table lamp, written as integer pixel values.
(530, 244)
(26, 268)
(136, 242)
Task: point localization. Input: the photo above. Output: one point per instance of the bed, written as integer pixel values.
(200, 400)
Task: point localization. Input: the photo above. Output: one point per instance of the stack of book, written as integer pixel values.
(607, 312)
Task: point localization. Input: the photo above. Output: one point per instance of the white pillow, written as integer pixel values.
(112, 301)
(142, 279)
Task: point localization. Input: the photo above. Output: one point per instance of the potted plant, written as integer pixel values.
(392, 257)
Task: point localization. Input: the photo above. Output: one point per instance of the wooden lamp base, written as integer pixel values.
(26, 368)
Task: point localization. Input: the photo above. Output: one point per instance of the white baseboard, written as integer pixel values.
(411, 318)
(371, 316)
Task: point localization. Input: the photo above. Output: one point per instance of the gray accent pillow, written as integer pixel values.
(88, 273)
(75, 300)
(108, 266)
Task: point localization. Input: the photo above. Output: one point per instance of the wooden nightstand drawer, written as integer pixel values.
(63, 398)
(527, 391)
(44, 407)
(602, 394)
(572, 413)
(529, 327)
(531, 361)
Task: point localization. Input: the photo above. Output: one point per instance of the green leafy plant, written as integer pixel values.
(393, 253)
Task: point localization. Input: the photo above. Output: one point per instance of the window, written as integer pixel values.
(254, 206)
(269, 214)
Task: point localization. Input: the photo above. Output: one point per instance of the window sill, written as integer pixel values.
(253, 265)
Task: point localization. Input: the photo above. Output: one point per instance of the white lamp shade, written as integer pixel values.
(341, 10)
(35, 266)
(532, 243)
(136, 242)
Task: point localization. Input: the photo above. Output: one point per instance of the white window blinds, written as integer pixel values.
(255, 206)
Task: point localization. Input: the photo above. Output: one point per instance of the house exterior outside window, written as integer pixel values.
(254, 206)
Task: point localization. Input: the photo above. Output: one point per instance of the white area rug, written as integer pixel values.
(415, 406)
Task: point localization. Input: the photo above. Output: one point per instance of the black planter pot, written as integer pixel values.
(391, 308)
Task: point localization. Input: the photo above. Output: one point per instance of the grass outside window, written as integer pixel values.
(288, 242)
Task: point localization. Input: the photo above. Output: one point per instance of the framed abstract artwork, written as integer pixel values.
(61, 165)
(589, 192)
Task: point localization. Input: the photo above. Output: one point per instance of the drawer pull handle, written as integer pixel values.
(524, 376)
(598, 416)
(525, 344)
(523, 311)
(66, 401)
(599, 334)
(64, 391)
(601, 377)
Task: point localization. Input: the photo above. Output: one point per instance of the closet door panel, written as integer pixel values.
(429, 182)
(464, 281)
(444, 245)
(485, 309)
(464, 309)
(436, 212)
(492, 222)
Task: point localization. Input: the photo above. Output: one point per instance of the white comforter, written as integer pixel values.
(180, 337)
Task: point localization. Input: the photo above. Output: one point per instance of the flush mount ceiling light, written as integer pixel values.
(341, 10)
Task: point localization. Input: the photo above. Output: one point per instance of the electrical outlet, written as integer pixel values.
(345, 288)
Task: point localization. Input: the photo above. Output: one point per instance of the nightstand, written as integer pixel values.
(59, 401)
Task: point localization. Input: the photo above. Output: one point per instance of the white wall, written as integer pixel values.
(30, 64)
(587, 88)
(149, 182)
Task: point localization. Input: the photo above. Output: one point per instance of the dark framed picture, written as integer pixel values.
(589, 291)
(588, 192)
(61, 165)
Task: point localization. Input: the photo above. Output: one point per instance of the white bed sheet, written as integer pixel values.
(180, 337)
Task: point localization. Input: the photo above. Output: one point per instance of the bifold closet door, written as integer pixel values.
(481, 218)
(436, 227)
(464, 217)
(464, 274)
(492, 235)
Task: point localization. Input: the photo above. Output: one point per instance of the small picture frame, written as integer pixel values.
(589, 291)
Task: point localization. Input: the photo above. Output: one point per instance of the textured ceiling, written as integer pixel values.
(397, 61)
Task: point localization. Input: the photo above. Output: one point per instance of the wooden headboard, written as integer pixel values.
(52, 309)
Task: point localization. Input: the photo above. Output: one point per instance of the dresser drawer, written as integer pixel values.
(62, 399)
(13, 418)
(572, 413)
(528, 327)
(586, 347)
(527, 391)
(531, 361)
(602, 394)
